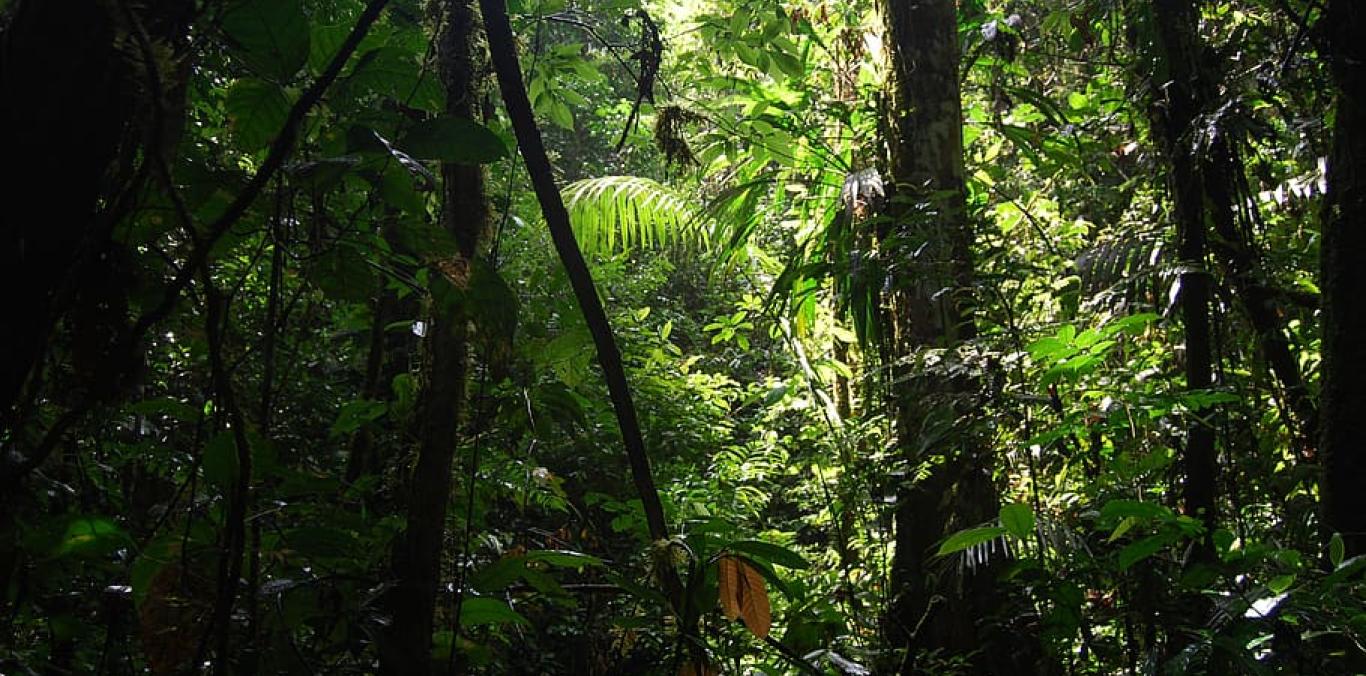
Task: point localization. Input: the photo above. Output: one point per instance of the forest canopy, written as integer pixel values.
(683, 337)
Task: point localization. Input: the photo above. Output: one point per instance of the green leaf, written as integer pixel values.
(167, 406)
(256, 112)
(482, 610)
(356, 414)
(776, 554)
(1223, 540)
(1141, 549)
(1336, 550)
(787, 63)
(1018, 519)
(1124, 526)
(563, 558)
(499, 574)
(324, 41)
(1280, 583)
(89, 536)
(454, 139)
(1116, 509)
(221, 468)
(269, 36)
(619, 213)
(967, 539)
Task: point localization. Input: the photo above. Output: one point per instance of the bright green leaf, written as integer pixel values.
(967, 539)
(1018, 519)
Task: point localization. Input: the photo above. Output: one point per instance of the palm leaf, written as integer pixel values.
(620, 213)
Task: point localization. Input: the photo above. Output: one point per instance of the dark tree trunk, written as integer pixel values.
(1178, 84)
(1185, 90)
(503, 51)
(465, 214)
(1343, 282)
(927, 246)
(72, 120)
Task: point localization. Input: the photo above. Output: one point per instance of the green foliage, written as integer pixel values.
(621, 213)
(754, 297)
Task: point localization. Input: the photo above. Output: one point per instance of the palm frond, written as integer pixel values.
(619, 213)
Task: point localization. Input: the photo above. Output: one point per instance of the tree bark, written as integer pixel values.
(1177, 81)
(927, 244)
(73, 118)
(1343, 282)
(465, 214)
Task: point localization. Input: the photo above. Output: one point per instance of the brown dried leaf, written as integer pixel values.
(743, 594)
(728, 578)
(754, 607)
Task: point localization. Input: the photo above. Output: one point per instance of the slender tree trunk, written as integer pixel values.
(1177, 82)
(465, 214)
(503, 50)
(928, 248)
(504, 53)
(1343, 282)
(1219, 195)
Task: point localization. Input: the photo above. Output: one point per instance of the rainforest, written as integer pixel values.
(683, 337)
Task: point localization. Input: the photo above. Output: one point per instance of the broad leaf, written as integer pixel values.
(454, 139)
(256, 112)
(1018, 519)
(482, 610)
(966, 539)
(270, 36)
(770, 552)
(220, 464)
(742, 594)
(1141, 549)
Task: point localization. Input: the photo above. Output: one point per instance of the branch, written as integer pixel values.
(503, 50)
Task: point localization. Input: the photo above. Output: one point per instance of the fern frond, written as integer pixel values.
(618, 213)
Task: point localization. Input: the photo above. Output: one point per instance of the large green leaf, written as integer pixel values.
(1018, 519)
(618, 213)
(967, 539)
(270, 36)
(482, 610)
(563, 558)
(220, 464)
(1141, 549)
(454, 139)
(770, 552)
(256, 111)
(88, 536)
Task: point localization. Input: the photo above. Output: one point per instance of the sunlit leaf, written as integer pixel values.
(1018, 519)
(966, 539)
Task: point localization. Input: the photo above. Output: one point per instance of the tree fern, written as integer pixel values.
(618, 213)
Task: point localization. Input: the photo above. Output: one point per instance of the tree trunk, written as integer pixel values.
(465, 214)
(75, 117)
(1176, 79)
(927, 246)
(1343, 282)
